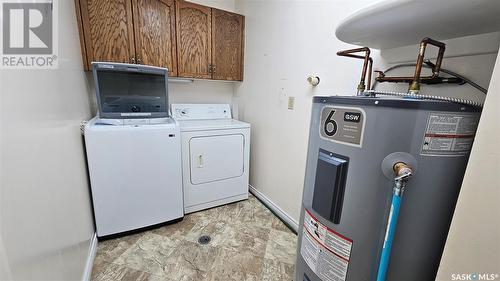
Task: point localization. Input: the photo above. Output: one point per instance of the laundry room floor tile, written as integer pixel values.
(248, 243)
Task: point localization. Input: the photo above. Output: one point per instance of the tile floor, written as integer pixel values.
(248, 243)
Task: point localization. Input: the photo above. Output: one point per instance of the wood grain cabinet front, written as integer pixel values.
(154, 26)
(108, 30)
(227, 43)
(189, 39)
(129, 31)
(194, 26)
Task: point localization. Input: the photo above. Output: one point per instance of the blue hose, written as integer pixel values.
(389, 236)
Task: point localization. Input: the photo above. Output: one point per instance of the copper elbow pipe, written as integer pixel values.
(367, 64)
(417, 79)
(415, 84)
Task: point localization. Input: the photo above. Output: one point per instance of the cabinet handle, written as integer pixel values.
(132, 60)
(210, 68)
(139, 61)
(213, 68)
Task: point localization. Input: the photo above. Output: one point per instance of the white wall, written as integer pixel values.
(227, 5)
(473, 244)
(201, 92)
(285, 42)
(45, 213)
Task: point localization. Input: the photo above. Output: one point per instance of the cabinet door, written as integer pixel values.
(154, 26)
(194, 24)
(109, 34)
(227, 45)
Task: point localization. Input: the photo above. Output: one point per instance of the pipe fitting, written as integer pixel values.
(313, 80)
(402, 169)
(415, 80)
(367, 66)
(401, 172)
(414, 88)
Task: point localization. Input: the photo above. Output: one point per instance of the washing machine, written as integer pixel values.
(133, 150)
(135, 173)
(215, 155)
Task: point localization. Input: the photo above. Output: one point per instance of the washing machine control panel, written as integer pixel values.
(201, 111)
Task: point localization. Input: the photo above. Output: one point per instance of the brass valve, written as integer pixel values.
(402, 169)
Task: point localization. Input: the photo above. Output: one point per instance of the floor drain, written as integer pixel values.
(205, 239)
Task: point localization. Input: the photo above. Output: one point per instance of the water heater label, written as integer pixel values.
(342, 124)
(325, 251)
(449, 134)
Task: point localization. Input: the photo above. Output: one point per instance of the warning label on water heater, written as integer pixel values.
(325, 251)
(449, 134)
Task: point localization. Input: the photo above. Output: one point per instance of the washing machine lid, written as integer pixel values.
(102, 124)
(206, 125)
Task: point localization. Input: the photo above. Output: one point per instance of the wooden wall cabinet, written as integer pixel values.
(194, 29)
(227, 45)
(154, 25)
(128, 31)
(108, 30)
(210, 42)
(190, 40)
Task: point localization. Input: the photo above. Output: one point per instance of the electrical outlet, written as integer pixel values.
(291, 103)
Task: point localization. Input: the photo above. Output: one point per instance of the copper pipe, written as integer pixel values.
(370, 67)
(368, 63)
(416, 79)
(415, 84)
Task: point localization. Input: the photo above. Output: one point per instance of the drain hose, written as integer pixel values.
(426, 97)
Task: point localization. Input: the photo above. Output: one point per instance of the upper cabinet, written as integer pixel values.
(154, 25)
(190, 40)
(131, 31)
(227, 45)
(108, 30)
(194, 27)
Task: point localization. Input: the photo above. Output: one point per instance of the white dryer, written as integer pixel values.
(215, 155)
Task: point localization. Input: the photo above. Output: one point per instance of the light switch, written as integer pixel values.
(291, 103)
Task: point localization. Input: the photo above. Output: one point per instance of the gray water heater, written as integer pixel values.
(347, 197)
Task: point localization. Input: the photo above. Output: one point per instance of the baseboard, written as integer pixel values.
(87, 273)
(286, 218)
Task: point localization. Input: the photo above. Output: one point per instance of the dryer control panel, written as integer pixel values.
(201, 111)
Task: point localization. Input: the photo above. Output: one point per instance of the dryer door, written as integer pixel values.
(214, 158)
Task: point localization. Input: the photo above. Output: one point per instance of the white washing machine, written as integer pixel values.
(215, 155)
(135, 173)
(133, 150)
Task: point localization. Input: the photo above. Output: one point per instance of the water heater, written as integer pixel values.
(348, 189)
